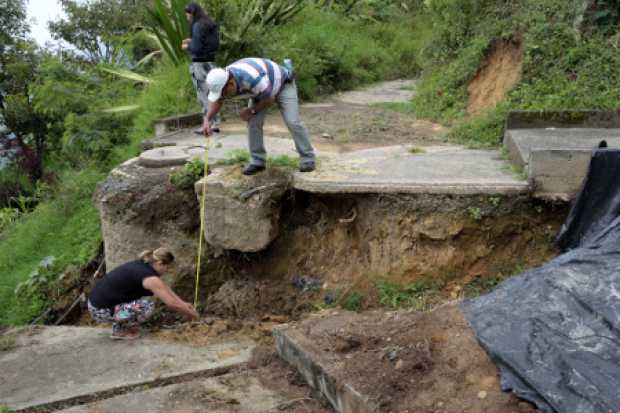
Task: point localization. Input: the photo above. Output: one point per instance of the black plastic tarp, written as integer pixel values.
(554, 332)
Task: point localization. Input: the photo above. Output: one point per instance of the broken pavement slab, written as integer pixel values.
(223, 394)
(554, 147)
(430, 170)
(53, 364)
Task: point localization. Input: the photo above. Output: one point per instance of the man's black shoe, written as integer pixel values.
(253, 169)
(307, 167)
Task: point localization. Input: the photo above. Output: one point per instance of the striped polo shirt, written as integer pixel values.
(258, 78)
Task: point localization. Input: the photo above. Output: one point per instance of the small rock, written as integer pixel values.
(482, 395)
(439, 405)
(392, 355)
(399, 364)
(327, 136)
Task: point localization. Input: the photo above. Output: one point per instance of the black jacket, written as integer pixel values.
(205, 42)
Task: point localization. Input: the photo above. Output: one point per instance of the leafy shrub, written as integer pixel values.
(186, 177)
(13, 182)
(93, 136)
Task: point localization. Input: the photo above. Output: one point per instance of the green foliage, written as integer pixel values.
(7, 343)
(330, 53)
(416, 295)
(186, 177)
(93, 136)
(168, 23)
(93, 27)
(570, 61)
(352, 302)
(14, 182)
(170, 92)
(283, 161)
(244, 24)
(236, 157)
(474, 213)
(66, 227)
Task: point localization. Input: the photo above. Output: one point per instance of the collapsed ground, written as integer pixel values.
(360, 252)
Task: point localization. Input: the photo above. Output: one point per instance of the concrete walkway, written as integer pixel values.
(54, 364)
(403, 169)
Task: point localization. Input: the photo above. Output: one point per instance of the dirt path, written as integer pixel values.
(339, 125)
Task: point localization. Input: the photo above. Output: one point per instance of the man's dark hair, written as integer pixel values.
(198, 15)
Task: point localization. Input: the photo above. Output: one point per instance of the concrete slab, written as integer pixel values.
(399, 91)
(557, 174)
(394, 169)
(220, 146)
(60, 363)
(520, 142)
(223, 394)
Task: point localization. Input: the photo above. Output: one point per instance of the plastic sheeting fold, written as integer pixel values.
(554, 331)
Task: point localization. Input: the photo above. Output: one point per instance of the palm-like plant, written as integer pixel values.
(168, 23)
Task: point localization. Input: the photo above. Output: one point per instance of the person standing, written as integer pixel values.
(203, 44)
(265, 83)
(120, 296)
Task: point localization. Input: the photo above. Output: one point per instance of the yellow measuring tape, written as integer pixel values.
(202, 222)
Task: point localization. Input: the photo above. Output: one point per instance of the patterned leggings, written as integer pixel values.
(125, 315)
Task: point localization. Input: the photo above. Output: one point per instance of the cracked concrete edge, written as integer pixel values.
(342, 396)
(119, 390)
(323, 187)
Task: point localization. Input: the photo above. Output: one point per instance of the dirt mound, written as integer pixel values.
(258, 299)
(407, 361)
(499, 73)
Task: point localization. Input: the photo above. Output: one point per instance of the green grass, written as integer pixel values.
(283, 161)
(65, 227)
(416, 295)
(7, 343)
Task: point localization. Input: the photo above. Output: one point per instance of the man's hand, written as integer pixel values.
(246, 114)
(185, 43)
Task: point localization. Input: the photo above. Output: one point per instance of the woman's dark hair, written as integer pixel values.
(198, 14)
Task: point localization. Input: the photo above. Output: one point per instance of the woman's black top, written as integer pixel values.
(205, 41)
(122, 285)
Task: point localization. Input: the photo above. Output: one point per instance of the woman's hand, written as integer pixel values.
(191, 311)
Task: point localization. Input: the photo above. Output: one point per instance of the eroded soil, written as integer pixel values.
(411, 362)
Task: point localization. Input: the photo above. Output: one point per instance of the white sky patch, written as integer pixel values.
(39, 13)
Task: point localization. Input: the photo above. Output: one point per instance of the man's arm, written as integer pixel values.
(165, 293)
(262, 104)
(214, 109)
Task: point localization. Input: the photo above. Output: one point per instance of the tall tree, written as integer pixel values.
(93, 26)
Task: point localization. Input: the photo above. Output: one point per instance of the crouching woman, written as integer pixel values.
(120, 296)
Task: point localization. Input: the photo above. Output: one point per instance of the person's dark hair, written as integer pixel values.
(198, 14)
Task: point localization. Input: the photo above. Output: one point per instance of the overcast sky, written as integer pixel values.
(39, 13)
